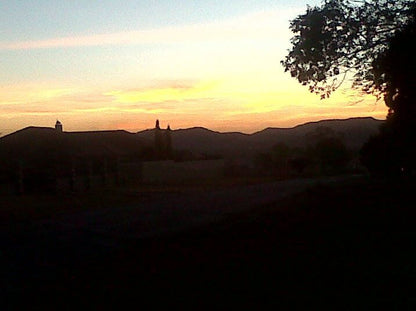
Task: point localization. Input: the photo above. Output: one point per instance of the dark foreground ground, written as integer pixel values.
(342, 246)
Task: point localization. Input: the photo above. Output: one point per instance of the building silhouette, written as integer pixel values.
(47, 159)
(51, 160)
(58, 126)
(163, 142)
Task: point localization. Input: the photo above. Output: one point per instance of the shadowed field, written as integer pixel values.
(343, 245)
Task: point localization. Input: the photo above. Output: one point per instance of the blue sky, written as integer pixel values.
(29, 20)
(23, 21)
(121, 64)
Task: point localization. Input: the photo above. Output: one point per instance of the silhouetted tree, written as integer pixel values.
(371, 41)
(332, 155)
(341, 37)
(376, 152)
(327, 149)
(393, 151)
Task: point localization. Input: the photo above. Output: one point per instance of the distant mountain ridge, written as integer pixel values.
(355, 132)
(197, 140)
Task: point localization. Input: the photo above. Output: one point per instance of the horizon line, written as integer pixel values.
(193, 127)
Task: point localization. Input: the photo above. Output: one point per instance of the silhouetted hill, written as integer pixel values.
(208, 142)
(355, 132)
(202, 140)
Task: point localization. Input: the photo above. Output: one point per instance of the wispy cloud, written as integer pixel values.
(162, 97)
(27, 94)
(257, 25)
(165, 93)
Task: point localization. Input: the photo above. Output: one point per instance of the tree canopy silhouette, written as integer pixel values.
(371, 41)
(343, 37)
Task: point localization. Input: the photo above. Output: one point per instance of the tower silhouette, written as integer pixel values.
(58, 126)
(163, 142)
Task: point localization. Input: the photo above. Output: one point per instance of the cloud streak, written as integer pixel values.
(163, 93)
(257, 25)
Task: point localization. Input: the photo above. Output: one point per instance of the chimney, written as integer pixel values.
(58, 126)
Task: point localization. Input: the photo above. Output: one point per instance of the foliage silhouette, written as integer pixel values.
(325, 153)
(393, 151)
(327, 149)
(341, 37)
(373, 42)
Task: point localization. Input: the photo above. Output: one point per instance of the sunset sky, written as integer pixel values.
(123, 64)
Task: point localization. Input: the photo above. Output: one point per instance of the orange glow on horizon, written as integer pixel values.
(238, 104)
(221, 74)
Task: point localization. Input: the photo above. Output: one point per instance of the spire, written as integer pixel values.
(157, 125)
(58, 126)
